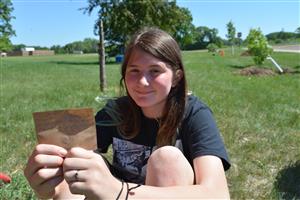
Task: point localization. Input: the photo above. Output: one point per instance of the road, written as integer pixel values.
(287, 48)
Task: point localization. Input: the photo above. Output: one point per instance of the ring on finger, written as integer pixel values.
(76, 176)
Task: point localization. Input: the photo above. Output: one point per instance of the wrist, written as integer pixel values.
(128, 190)
(121, 190)
(124, 191)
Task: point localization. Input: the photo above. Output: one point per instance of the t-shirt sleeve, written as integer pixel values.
(104, 133)
(203, 136)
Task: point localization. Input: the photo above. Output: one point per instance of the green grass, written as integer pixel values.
(259, 117)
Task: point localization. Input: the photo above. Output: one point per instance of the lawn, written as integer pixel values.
(259, 116)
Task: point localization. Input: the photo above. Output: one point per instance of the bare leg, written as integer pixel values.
(167, 166)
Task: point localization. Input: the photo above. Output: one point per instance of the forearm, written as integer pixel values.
(174, 192)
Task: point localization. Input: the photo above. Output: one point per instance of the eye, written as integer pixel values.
(133, 70)
(155, 71)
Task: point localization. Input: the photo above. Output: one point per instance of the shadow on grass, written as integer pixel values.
(239, 66)
(73, 63)
(287, 184)
(80, 63)
(297, 67)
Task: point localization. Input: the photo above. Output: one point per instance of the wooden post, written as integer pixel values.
(102, 76)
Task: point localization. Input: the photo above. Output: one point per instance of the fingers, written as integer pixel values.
(44, 156)
(45, 174)
(77, 164)
(85, 171)
(78, 187)
(75, 176)
(70, 176)
(80, 159)
(47, 189)
(49, 149)
(77, 181)
(46, 149)
(80, 153)
(42, 161)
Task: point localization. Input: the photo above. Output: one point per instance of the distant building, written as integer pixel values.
(3, 54)
(30, 51)
(77, 52)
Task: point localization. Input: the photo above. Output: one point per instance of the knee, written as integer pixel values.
(167, 166)
(165, 156)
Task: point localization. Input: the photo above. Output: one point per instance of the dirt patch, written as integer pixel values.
(290, 71)
(258, 71)
(246, 53)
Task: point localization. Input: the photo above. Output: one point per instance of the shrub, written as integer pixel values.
(212, 47)
(258, 46)
(278, 41)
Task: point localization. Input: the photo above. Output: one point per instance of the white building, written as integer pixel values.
(3, 54)
(28, 49)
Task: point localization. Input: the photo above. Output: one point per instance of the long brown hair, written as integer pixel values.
(162, 46)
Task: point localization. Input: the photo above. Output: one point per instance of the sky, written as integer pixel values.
(59, 22)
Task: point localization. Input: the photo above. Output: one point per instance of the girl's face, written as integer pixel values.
(148, 81)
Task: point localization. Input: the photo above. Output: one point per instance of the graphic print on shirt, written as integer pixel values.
(131, 158)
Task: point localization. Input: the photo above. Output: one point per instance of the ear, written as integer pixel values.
(177, 77)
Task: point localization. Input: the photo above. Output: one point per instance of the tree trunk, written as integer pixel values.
(101, 51)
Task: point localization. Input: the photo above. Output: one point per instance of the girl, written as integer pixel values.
(165, 142)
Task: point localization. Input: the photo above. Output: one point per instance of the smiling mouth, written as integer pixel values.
(143, 93)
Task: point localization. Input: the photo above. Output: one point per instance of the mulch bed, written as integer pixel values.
(258, 71)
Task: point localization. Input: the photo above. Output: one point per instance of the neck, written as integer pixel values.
(155, 111)
(151, 114)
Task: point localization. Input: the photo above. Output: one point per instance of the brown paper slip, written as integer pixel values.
(66, 128)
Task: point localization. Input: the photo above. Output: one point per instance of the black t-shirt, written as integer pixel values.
(197, 136)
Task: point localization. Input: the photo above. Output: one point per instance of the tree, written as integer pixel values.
(278, 37)
(297, 31)
(258, 46)
(125, 17)
(18, 47)
(204, 36)
(58, 49)
(121, 19)
(231, 35)
(5, 44)
(6, 30)
(102, 56)
(181, 27)
(90, 45)
(104, 11)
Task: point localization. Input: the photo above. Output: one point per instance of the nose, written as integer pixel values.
(144, 80)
